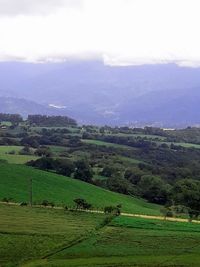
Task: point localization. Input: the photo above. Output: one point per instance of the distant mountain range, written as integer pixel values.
(25, 107)
(91, 92)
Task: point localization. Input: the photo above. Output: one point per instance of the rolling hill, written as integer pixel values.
(26, 107)
(14, 183)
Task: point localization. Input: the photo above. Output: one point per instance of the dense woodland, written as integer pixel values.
(161, 166)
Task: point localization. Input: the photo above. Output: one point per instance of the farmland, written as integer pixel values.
(136, 172)
(33, 237)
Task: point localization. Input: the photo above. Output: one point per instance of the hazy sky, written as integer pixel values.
(119, 31)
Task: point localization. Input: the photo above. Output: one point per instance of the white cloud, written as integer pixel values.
(34, 7)
(119, 31)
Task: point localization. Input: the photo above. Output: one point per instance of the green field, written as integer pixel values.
(27, 233)
(14, 183)
(35, 237)
(14, 158)
(187, 145)
(103, 143)
(148, 136)
(137, 242)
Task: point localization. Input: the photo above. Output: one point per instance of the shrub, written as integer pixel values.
(112, 210)
(23, 204)
(45, 203)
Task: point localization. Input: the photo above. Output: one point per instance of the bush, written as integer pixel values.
(22, 204)
(45, 203)
(82, 204)
(6, 199)
(112, 210)
(12, 152)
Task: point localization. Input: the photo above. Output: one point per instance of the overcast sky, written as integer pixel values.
(117, 31)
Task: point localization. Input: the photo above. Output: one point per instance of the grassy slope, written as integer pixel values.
(103, 143)
(148, 136)
(14, 158)
(14, 183)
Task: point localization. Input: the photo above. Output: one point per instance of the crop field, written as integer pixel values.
(139, 243)
(28, 233)
(33, 237)
(14, 184)
(11, 155)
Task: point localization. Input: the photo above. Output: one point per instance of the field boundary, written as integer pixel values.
(143, 216)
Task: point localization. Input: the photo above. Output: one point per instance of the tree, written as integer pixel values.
(25, 151)
(60, 166)
(187, 193)
(43, 152)
(108, 171)
(120, 185)
(64, 166)
(82, 204)
(167, 212)
(153, 189)
(113, 210)
(83, 171)
(45, 203)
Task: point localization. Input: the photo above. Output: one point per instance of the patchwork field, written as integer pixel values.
(27, 233)
(33, 237)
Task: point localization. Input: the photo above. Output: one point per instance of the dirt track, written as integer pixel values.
(122, 214)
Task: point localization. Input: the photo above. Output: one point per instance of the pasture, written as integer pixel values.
(62, 190)
(33, 237)
(11, 155)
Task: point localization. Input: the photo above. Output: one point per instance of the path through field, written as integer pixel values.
(173, 219)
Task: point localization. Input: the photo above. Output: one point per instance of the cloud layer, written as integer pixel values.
(122, 32)
(34, 7)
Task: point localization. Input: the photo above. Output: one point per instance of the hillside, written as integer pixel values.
(14, 183)
(26, 107)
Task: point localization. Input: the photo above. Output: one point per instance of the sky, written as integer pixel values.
(120, 32)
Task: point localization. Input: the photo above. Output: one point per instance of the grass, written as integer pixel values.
(6, 123)
(27, 233)
(130, 160)
(148, 136)
(102, 143)
(116, 261)
(152, 224)
(137, 242)
(186, 145)
(14, 158)
(14, 183)
(35, 237)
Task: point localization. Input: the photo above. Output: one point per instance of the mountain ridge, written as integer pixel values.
(94, 93)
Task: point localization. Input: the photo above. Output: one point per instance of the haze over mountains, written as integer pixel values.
(164, 95)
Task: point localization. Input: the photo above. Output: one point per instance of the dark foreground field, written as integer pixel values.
(50, 237)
